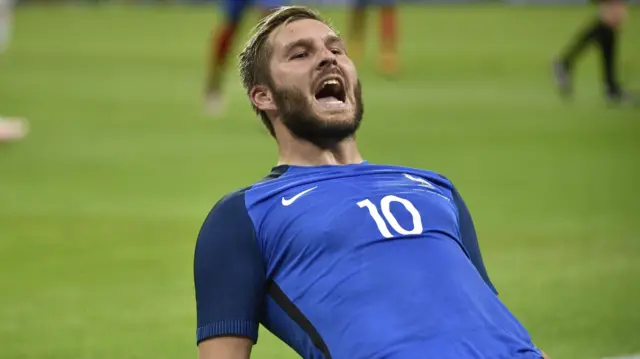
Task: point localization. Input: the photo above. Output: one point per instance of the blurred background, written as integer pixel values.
(101, 201)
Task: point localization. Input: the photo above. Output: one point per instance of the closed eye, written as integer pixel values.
(336, 51)
(299, 55)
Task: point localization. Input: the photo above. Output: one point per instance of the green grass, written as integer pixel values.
(101, 204)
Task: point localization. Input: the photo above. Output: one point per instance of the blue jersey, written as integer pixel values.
(358, 261)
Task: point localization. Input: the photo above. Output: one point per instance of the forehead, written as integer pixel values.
(300, 29)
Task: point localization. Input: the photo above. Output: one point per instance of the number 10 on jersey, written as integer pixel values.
(385, 204)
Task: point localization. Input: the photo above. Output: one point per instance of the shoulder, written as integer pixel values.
(230, 204)
(228, 219)
(440, 178)
(235, 202)
(435, 177)
(443, 182)
(232, 209)
(227, 233)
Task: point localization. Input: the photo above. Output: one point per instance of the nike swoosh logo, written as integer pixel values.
(288, 202)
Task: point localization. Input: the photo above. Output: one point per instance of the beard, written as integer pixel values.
(298, 116)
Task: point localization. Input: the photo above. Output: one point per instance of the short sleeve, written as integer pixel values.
(229, 274)
(470, 238)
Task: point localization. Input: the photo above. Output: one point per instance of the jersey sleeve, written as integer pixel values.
(229, 274)
(470, 238)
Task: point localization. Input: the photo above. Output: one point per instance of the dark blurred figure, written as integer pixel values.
(603, 31)
(388, 57)
(222, 44)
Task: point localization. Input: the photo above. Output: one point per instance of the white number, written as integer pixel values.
(385, 204)
(376, 217)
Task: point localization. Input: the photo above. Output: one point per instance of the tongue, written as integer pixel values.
(328, 99)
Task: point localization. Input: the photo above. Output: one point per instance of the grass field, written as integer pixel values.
(101, 204)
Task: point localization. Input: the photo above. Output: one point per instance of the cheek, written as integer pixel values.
(351, 70)
(279, 78)
(293, 79)
(353, 78)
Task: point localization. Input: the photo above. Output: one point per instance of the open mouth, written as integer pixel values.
(331, 92)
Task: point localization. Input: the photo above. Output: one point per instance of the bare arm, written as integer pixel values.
(225, 348)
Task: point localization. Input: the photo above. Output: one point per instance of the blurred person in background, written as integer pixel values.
(6, 23)
(11, 128)
(222, 44)
(388, 55)
(603, 31)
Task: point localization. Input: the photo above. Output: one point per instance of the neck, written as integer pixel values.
(302, 153)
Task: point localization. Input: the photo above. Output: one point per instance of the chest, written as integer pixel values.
(337, 216)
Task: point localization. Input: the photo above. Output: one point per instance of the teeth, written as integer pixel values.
(331, 82)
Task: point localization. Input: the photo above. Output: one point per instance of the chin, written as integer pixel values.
(341, 117)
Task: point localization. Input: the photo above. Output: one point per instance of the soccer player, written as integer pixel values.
(388, 55)
(6, 23)
(602, 31)
(222, 44)
(336, 256)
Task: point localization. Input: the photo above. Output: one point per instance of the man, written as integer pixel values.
(222, 44)
(603, 31)
(388, 58)
(339, 258)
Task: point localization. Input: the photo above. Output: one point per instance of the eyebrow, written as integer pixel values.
(308, 42)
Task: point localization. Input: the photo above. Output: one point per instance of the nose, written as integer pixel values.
(329, 59)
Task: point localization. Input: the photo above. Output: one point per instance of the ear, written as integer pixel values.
(262, 98)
